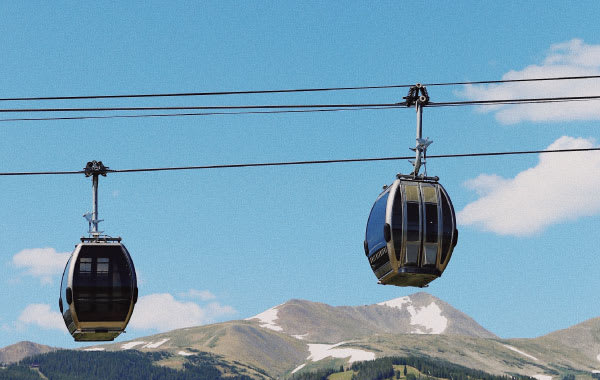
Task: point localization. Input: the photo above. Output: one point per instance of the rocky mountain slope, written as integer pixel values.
(18, 351)
(419, 313)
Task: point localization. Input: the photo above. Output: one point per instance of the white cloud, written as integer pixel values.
(162, 312)
(562, 186)
(572, 58)
(43, 316)
(202, 295)
(44, 263)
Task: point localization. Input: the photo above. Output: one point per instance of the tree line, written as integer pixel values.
(131, 365)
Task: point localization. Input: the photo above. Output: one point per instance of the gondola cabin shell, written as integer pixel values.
(98, 291)
(411, 233)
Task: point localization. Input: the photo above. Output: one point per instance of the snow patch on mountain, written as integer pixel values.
(430, 317)
(130, 345)
(183, 353)
(94, 349)
(322, 351)
(524, 354)
(268, 318)
(298, 368)
(157, 344)
(301, 337)
(540, 376)
(598, 357)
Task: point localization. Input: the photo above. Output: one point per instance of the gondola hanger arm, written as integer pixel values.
(418, 97)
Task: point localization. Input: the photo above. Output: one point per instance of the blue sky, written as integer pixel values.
(227, 244)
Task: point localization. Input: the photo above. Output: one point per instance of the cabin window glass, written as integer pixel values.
(447, 228)
(430, 254)
(429, 194)
(375, 238)
(85, 265)
(431, 223)
(397, 223)
(412, 193)
(103, 293)
(412, 254)
(63, 287)
(413, 224)
(102, 266)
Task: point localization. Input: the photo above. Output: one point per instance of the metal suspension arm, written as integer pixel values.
(94, 169)
(418, 96)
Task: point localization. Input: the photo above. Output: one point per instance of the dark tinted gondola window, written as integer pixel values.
(375, 239)
(397, 223)
(431, 234)
(413, 224)
(447, 228)
(103, 266)
(85, 265)
(102, 284)
(431, 223)
(63, 287)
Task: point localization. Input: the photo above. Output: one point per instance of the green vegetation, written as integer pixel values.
(408, 368)
(322, 374)
(18, 373)
(131, 365)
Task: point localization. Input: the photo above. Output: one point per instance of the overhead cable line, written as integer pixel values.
(561, 99)
(305, 106)
(280, 91)
(315, 162)
(199, 114)
(177, 108)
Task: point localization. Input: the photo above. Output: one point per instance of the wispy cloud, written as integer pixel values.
(41, 315)
(551, 192)
(572, 58)
(43, 263)
(162, 312)
(202, 295)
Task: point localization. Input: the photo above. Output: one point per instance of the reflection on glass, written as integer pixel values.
(429, 194)
(397, 222)
(412, 254)
(63, 287)
(430, 254)
(85, 265)
(375, 238)
(447, 228)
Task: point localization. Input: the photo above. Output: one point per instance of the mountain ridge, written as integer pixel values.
(20, 350)
(301, 335)
(419, 313)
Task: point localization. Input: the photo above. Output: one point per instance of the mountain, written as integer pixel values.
(18, 351)
(420, 313)
(583, 338)
(300, 336)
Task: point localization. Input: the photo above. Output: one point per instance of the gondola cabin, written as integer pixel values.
(98, 290)
(411, 232)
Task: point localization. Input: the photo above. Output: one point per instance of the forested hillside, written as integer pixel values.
(131, 365)
(408, 368)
